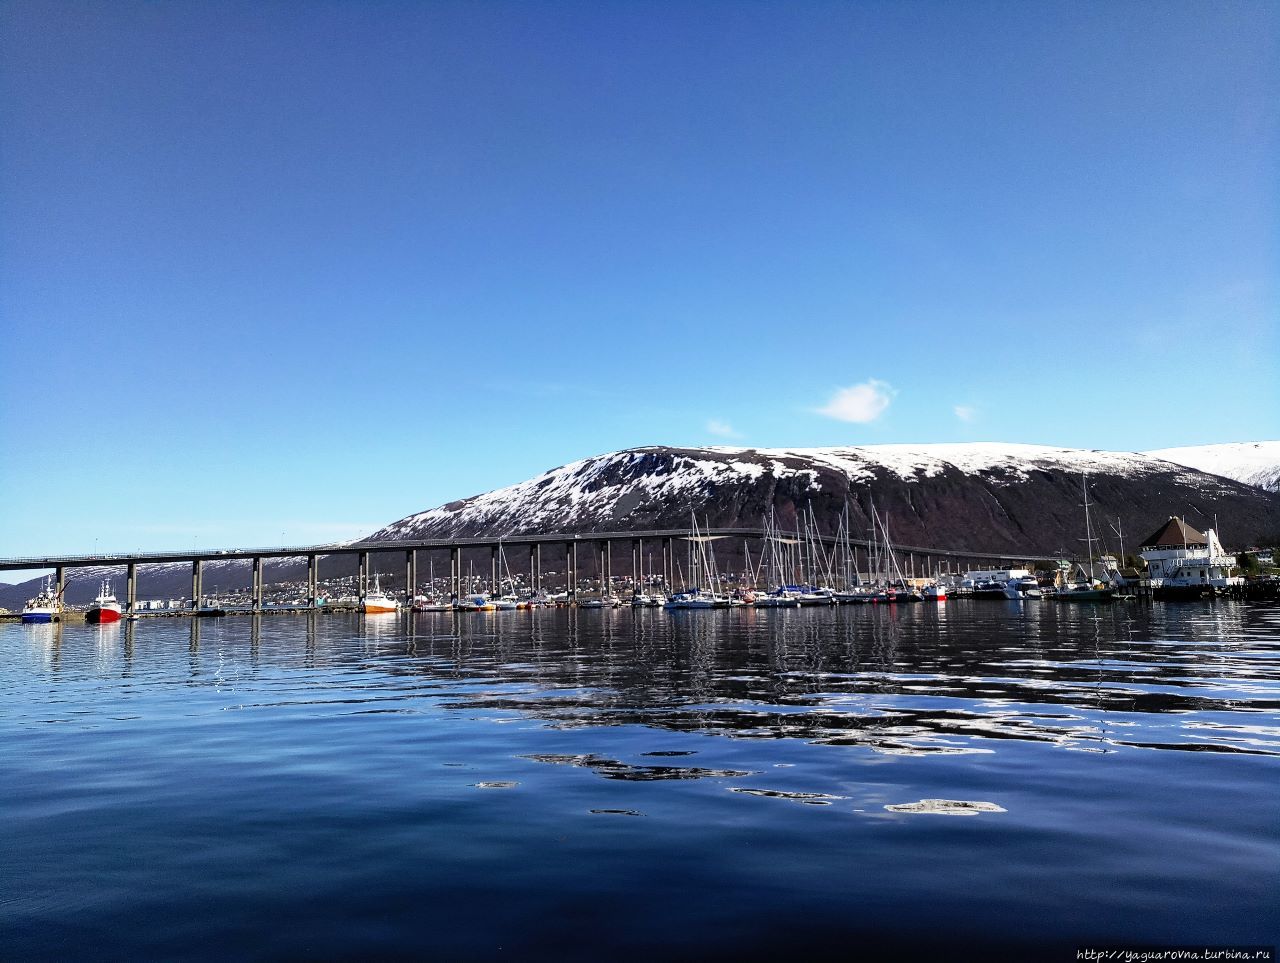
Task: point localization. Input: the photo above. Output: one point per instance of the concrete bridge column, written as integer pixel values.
(573, 586)
(534, 584)
(410, 574)
(131, 594)
(455, 572)
(257, 584)
(493, 570)
(313, 579)
(602, 565)
(362, 575)
(197, 579)
(637, 564)
(668, 549)
(60, 583)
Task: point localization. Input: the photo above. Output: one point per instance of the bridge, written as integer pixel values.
(602, 547)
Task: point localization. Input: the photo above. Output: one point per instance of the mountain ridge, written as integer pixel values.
(979, 496)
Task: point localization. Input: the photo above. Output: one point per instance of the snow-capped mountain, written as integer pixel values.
(1252, 462)
(980, 496)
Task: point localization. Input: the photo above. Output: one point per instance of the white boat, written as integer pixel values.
(424, 603)
(105, 607)
(1022, 587)
(780, 599)
(474, 603)
(377, 602)
(507, 603)
(696, 599)
(45, 607)
(1001, 583)
(934, 592)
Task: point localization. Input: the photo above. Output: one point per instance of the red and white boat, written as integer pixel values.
(934, 592)
(105, 608)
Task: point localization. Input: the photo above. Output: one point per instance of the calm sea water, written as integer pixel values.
(604, 785)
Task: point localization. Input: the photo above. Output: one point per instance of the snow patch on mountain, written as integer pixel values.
(1252, 462)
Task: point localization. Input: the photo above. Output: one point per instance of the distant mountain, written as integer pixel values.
(1252, 462)
(986, 497)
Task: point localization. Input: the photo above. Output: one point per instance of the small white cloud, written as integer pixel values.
(965, 412)
(860, 403)
(722, 428)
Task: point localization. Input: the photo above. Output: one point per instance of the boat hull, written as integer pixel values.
(101, 616)
(37, 616)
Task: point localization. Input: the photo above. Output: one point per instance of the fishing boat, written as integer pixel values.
(378, 602)
(105, 607)
(934, 592)
(45, 607)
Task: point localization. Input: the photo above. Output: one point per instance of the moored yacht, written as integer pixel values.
(1022, 587)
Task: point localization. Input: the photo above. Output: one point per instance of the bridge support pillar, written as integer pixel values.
(131, 591)
(573, 571)
(362, 575)
(257, 583)
(197, 575)
(410, 575)
(603, 567)
(455, 572)
(60, 583)
(313, 579)
(535, 585)
(637, 564)
(668, 550)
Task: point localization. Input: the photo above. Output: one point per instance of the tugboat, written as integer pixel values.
(45, 607)
(105, 608)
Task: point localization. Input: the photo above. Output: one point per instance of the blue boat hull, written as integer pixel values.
(37, 617)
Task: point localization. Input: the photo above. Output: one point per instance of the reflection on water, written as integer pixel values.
(791, 761)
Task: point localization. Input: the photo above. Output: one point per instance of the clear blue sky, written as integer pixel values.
(298, 269)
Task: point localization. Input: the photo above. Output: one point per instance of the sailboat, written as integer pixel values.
(1093, 590)
(430, 602)
(701, 566)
